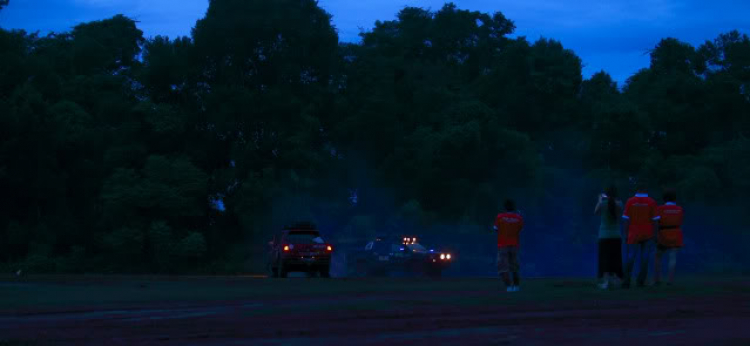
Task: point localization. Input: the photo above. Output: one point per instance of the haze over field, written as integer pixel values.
(129, 152)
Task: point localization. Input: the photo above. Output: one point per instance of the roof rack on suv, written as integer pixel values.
(301, 225)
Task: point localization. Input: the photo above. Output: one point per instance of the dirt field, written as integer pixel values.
(95, 310)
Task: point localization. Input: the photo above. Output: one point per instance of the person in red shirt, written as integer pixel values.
(508, 226)
(639, 222)
(669, 239)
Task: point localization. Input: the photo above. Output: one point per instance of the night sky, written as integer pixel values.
(613, 35)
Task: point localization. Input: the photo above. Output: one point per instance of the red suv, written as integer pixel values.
(299, 248)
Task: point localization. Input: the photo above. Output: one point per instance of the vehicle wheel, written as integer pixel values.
(360, 268)
(434, 273)
(415, 268)
(282, 271)
(379, 273)
(325, 272)
(273, 270)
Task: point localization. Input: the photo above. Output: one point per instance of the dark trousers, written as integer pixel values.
(642, 252)
(610, 257)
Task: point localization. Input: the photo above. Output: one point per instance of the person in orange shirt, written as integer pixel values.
(639, 222)
(508, 226)
(669, 239)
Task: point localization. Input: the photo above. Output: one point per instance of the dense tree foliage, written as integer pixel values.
(119, 153)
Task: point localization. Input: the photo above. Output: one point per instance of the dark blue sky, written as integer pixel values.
(613, 35)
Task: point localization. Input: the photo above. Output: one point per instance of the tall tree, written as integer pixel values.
(412, 113)
(618, 131)
(728, 83)
(119, 153)
(671, 92)
(265, 77)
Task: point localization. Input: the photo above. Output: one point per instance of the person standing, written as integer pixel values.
(639, 222)
(508, 226)
(610, 239)
(669, 238)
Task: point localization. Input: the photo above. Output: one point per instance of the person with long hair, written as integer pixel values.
(610, 239)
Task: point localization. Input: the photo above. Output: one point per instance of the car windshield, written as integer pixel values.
(304, 237)
(417, 248)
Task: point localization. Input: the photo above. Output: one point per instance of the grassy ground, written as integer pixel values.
(134, 310)
(60, 292)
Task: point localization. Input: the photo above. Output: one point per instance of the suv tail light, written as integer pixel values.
(329, 248)
(286, 247)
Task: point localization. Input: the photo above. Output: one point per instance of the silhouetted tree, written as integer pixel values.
(120, 153)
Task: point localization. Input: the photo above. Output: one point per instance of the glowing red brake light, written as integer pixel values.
(329, 248)
(286, 247)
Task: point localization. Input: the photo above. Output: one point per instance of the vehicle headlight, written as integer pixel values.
(442, 256)
(448, 256)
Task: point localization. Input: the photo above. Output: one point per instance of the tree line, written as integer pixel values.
(125, 154)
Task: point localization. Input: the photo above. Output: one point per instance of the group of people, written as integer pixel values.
(645, 225)
(641, 222)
